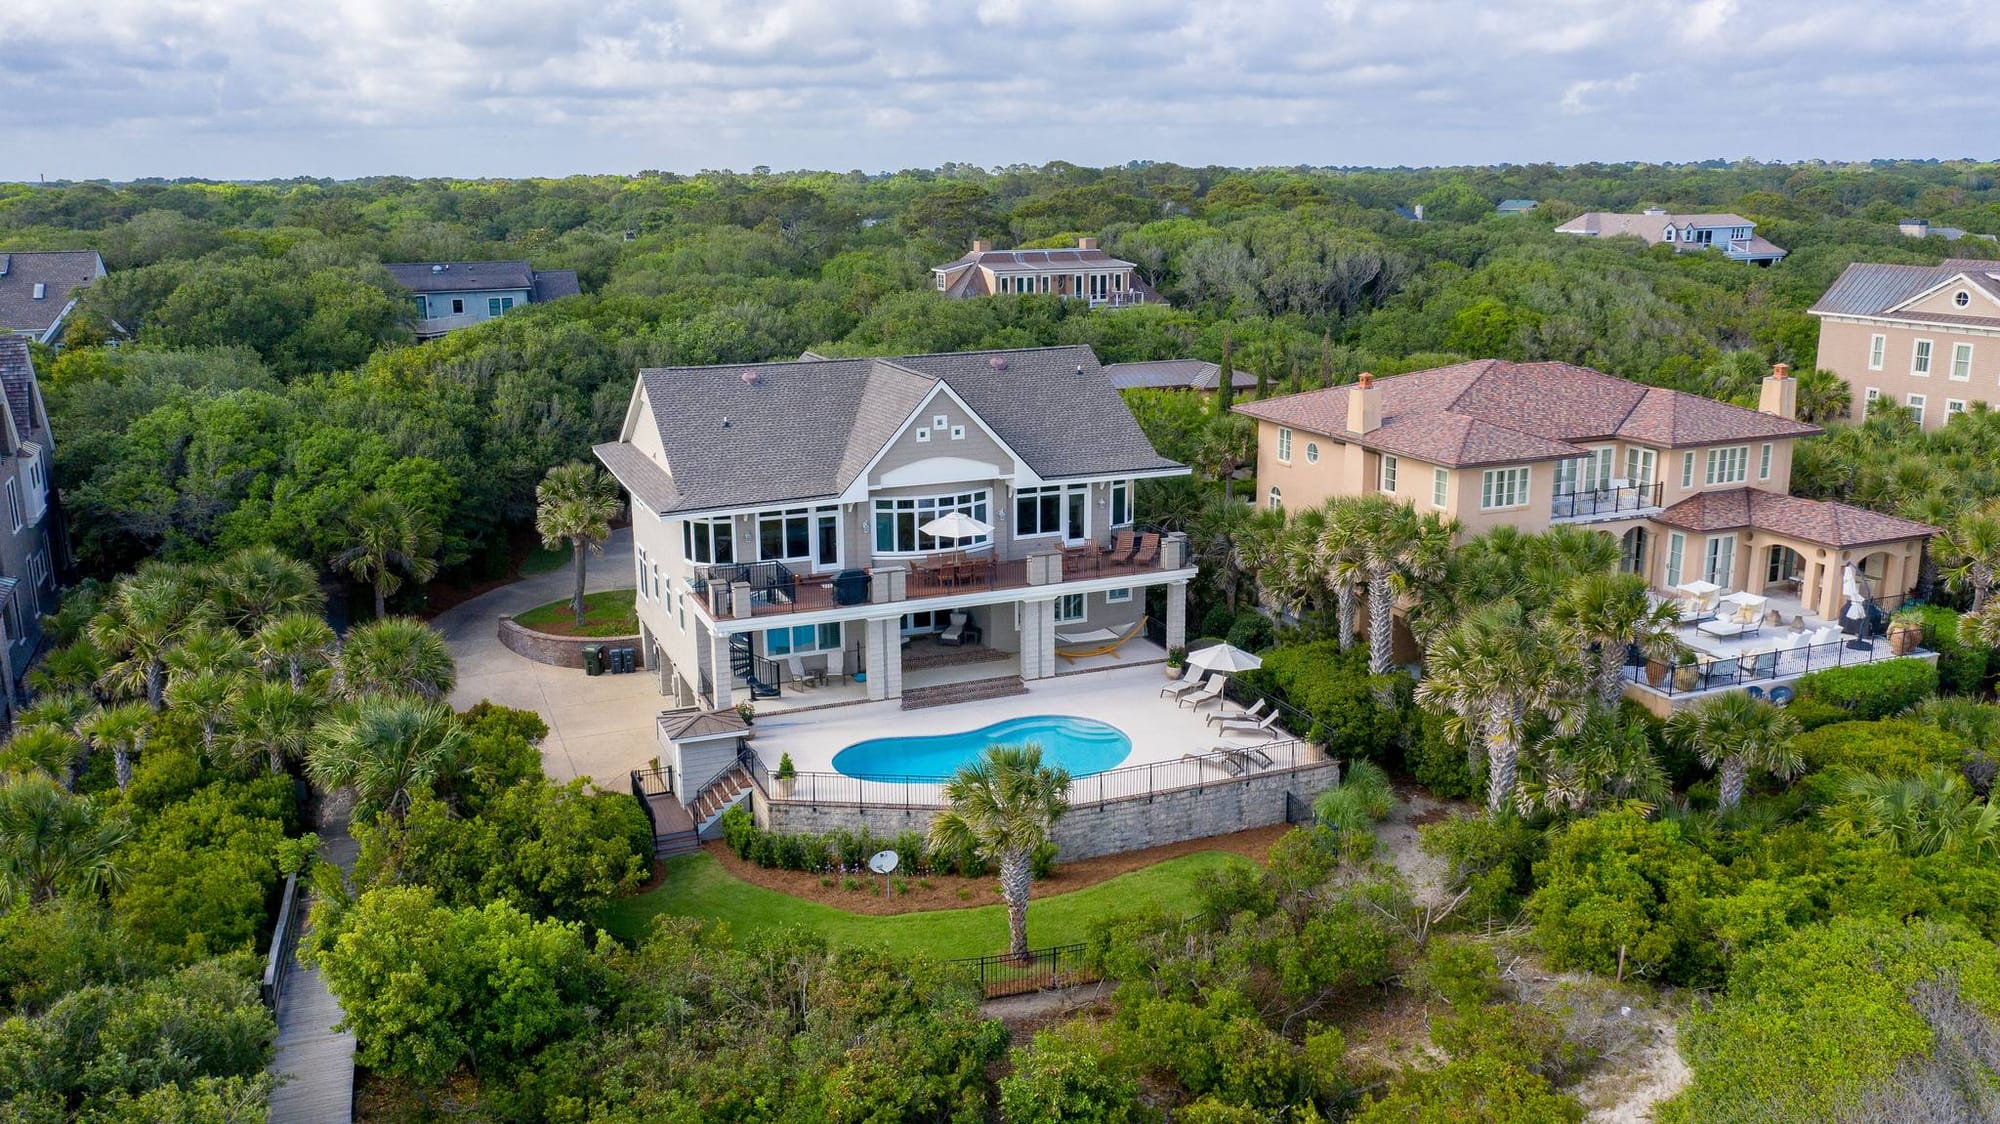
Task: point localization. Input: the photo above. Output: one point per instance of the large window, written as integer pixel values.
(1961, 361)
(802, 639)
(1284, 445)
(1069, 608)
(1639, 466)
(1920, 358)
(639, 554)
(1721, 568)
(1503, 487)
(709, 541)
(799, 534)
(1676, 555)
(1121, 503)
(1876, 345)
(1388, 474)
(897, 520)
(1728, 466)
(1056, 509)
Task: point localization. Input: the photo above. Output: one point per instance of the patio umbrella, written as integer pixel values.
(1698, 587)
(1225, 658)
(956, 525)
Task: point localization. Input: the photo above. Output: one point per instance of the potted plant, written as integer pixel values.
(1687, 676)
(1176, 661)
(1662, 657)
(747, 713)
(785, 774)
(1906, 631)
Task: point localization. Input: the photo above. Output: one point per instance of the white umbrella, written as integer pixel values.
(1225, 658)
(1698, 587)
(956, 525)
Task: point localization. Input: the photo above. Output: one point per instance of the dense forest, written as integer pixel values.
(1744, 915)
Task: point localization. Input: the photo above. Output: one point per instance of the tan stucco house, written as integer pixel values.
(1922, 336)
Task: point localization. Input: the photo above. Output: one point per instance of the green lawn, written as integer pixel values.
(697, 886)
(541, 560)
(610, 612)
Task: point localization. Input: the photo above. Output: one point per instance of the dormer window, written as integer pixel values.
(1669, 235)
(1961, 299)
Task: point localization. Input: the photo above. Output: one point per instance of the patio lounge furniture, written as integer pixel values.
(960, 631)
(1189, 680)
(1097, 642)
(836, 666)
(1230, 765)
(1243, 757)
(1763, 665)
(797, 667)
(1148, 552)
(1238, 728)
(1731, 625)
(1121, 548)
(1248, 714)
(1721, 673)
(1210, 691)
(1077, 559)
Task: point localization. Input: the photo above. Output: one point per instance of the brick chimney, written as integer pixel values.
(981, 245)
(1780, 394)
(1364, 405)
(1086, 243)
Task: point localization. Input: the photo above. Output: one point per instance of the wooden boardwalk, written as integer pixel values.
(314, 1064)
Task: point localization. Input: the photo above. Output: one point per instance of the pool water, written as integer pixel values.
(1080, 745)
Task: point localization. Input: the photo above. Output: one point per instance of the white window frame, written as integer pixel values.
(1718, 563)
(958, 433)
(1921, 354)
(922, 435)
(1284, 445)
(1728, 464)
(1117, 596)
(1878, 349)
(939, 421)
(1669, 235)
(1961, 298)
(922, 509)
(1440, 487)
(1961, 362)
(1869, 396)
(723, 526)
(1510, 485)
(14, 503)
(1062, 492)
(1121, 497)
(1063, 613)
(1386, 479)
(790, 632)
(1687, 470)
(1764, 462)
(1953, 406)
(1312, 452)
(1274, 499)
(639, 554)
(1640, 464)
(1676, 558)
(1916, 404)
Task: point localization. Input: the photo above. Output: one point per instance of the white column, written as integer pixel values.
(875, 661)
(1177, 615)
(720, 676)
(1038, 639)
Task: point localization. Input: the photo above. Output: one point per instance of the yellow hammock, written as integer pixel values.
(1102, 642)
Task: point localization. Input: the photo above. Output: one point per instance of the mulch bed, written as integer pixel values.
(944, 891)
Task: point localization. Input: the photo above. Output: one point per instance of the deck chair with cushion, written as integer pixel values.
(1189, 680)
(959, 631)
(1248, 714)
(1121, 548)
(1210, 691)
(1257, 727)
(797, 667)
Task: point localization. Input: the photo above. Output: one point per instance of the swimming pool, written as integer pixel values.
(1081, 745)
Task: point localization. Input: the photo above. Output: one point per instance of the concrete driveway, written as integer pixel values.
(599, 726)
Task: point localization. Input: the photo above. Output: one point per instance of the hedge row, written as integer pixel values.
(846, 852)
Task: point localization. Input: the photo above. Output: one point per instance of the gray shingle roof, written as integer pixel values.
(60, 272)
(553, 283)
(17, 380)
(461, 276)
(1194, 374)
(739, 436)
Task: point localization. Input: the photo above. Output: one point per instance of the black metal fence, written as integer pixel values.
(1781, 663)
(1042, 969)
(657, 781)
(1607, 501)
(284, 944)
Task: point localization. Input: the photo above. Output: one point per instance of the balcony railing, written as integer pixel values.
(1754, 669)
(1605, 503)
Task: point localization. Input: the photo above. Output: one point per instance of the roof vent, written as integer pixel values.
(751, 377)
(437, 269)
(41, 291)
(725, 421)
(1656, 210)
(1079, 368)
(997, 362)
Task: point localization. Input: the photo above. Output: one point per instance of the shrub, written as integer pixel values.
(1961, 667)
(1217, 621)
(1251, 631)
(1439, 761)
(1458, 971)
(1072, 1073)
(1338, 696)
(1616, 889)
(1871, 690)
(1042, 863)
(1494, 858)
(1894, 748)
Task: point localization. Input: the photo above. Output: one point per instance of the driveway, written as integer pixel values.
(599, 726)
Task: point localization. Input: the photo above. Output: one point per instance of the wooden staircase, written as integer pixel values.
(722, 794)
(917, 698)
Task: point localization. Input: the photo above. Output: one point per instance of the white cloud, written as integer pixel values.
(255, 88)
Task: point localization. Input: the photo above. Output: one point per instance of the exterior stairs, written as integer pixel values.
(917, 698)
(723, 793)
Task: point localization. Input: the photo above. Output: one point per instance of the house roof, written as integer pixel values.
(1036, 261)
(739, 436)
(1192, 374)
(1609, 224)
(59, 272)
(483, 276)
(17, 381)
(1516, 205)
(1873, 289)
(681, 726)
(1816, 521)
(1491, 411)
(553, 283)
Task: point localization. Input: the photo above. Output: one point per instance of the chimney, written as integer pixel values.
(1086, 243)
(1780, 394)
(1418, 211)
(981, 245)
(1364, 406)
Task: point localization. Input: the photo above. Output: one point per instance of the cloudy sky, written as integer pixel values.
(260, 88)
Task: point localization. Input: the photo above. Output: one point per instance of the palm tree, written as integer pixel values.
(260, 583)
(1492, 676)
(146, 618)
(65, 713)
(388, 749)
(1396, 548)
(207, 650)
(1340, 562)
(1003, 806)
(77, 666)
(208, 697)
(391, 543)
(1552, 561)
(51, 749)
(1971, 552)
(296, 643)
(51, 841)
(1921, 815)
(399, 656)
(1607, 760)
(1734, 734)
(1610, 612)
(275, 719)
(1982, 628)
(1823, 397)
(575, 503)
(121, 729)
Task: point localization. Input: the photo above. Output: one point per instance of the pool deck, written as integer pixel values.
(1126, 697)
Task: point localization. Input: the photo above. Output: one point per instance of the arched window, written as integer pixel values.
(1276, 499)
(1962, 299)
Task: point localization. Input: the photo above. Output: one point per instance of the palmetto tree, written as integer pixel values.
(207, 650)
(65, 713)
(1340, 563)
(1733, 734)
(1492, 676)
(1981, 628)
(1607, 760)
(143, 621)
(1396, 548)
(51, 841)
(1823, 397)
(122, 729)
(260, 583)
(1971, 552)
(1609, 612)
(208, 697)
(1003, 806)
(53, 750)
(275, 720)
(388, 749)
(575, 503)
(1921, 815)
(392, 543)
(396, 656)
(294, 645)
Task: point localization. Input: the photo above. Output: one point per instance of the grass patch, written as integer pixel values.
(610, 612)
(697, 886)
(541, 560)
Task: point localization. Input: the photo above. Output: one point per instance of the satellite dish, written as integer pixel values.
(883, 862)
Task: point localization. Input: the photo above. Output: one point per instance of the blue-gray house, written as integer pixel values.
(457, 294)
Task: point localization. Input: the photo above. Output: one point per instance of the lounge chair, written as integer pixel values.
(1217, 759)
(1096, 642)
(960, 631)
(1148, 552)
(1248, 714)
(836, 667)
(1242, 729)
(1189, 680)
(1721, 673)
(797, 667)
(1121, 548)
(1210, 691)
(1077, 559)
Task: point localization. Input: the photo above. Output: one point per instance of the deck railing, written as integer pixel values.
(1750, 669)
(1591, 503)
(284, 944)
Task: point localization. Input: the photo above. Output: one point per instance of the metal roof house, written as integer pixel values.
(1732, 235)
(458, 294)
(1083, 273)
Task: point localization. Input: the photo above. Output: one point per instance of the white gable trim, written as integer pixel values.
(857, 489)
(635, 417)
(1941, 326)
(940, 470)
(1955, 281)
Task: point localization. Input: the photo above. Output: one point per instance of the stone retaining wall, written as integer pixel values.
(1092, 830)
(559, 651)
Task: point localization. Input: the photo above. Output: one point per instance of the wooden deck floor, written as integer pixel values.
(314, 1064)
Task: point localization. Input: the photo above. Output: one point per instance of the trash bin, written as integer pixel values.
(593, 659)
(621, 660)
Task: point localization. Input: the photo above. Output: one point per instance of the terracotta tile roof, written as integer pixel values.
(1491, 411)
(1815, 521)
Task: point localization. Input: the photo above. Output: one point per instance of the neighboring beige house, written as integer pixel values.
(1922, 336)
(1734, 236)
(1692, 488)
(1085, 272)
(778, 513)
(1175, 374)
